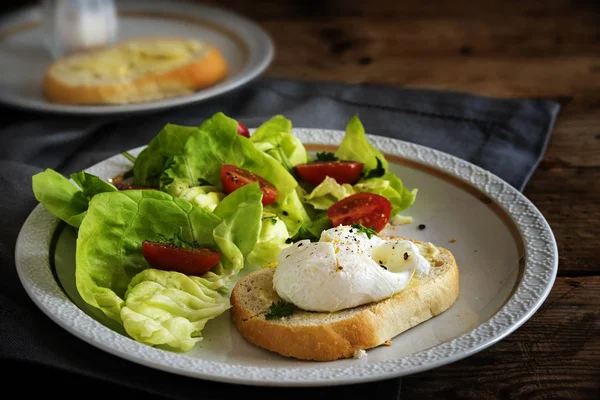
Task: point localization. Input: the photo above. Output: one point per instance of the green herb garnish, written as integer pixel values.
(178, 241)
(379, 171)
(164, 178)
(367, 231)
(326, 156)
(273, 219)
(280, 309)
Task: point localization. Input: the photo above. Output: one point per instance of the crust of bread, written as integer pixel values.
(330, 336)
(182, 80)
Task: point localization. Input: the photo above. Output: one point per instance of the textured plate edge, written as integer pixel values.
(518, 309)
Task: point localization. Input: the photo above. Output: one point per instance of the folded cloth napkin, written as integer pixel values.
(506, 137)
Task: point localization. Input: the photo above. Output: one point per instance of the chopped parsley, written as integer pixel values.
(164, 177)
(178, 241)
(367, 231)
(379, 171)
(280, 309)
(273, 219)
(326, 156)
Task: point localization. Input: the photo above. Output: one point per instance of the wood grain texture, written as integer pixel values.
(509, 49)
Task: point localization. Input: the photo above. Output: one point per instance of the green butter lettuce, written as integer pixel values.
(167, 308)
(389, 186)
(108, 252)
(327, 193)
(162, 307)
(203, 196)
(356, 147)
(241, 214)
(64, 199)
(216, 144)
(275, 138)
(376, 176)
(149, 164)
(291, 211)
(271, 240)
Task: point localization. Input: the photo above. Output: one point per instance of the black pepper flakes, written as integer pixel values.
(285, 213)
(421, 227)
(384, 267)
(287, 255)
(288, 240)
(406, 256)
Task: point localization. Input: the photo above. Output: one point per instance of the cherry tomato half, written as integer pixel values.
(168, 257)
(342, 171)
(371, 210)
(242, 130)
(233, 178)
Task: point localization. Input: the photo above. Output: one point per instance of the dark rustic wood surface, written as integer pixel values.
(547, 49)
(542, 49)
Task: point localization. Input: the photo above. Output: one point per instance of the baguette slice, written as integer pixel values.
(134, 71)
(321, 336)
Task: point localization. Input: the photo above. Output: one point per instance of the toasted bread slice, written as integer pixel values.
(330, 336)
(135, 71)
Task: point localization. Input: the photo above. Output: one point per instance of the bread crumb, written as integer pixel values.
(360, 353)
(401, 220)
(387, 343)
(452, 240)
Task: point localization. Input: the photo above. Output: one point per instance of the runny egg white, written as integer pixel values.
(345, 269)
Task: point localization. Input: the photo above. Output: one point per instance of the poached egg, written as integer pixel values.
(345, 269)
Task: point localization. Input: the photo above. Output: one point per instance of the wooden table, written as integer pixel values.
(548, 49)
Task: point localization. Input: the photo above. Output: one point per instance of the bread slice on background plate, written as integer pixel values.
(327, 336)
(135, 71)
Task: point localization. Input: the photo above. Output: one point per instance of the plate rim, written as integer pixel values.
(540, 269)
(264, 47)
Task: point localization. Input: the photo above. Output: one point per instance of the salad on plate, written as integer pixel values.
(160, 251)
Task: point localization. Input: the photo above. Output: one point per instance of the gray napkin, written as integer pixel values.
(506, 137)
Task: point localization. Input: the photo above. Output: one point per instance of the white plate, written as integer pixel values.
(247, 49)
(505, 250)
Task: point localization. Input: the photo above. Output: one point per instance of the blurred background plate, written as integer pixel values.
(246, 47)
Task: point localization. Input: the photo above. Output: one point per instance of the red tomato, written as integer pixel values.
(234, 178)
(371, 210)
(342, 171)
(242, 130)
(168, 257)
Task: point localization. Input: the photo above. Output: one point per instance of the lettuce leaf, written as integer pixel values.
(215, 144)
(109, 242)
(275, 138)
(356, 147)
(271, 240)
(162, 307)
(203, 196)
(327, 193)
(167, 308)
(170, 309)
(150, 163)
(65, 199)
(389, 186)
